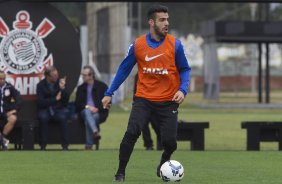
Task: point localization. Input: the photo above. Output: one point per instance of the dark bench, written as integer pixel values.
(191, 131)
(22, 135)
(76, 130)
(26, 133)
(262, 131)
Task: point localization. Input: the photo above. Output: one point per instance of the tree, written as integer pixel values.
(187, 17)
(75, 12)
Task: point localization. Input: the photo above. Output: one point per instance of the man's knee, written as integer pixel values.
(62, 118)
(85, 112)
(43, 116)
(129, 138)
(12, 119)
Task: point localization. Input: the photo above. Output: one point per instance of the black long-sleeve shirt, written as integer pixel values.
(10, 98)
(98, 91)
(47, 97)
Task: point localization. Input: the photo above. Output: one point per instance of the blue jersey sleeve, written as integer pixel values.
(182, 66)
(123, 71)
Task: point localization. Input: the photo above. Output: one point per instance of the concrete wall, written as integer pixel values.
(119, 38)
(118, 30)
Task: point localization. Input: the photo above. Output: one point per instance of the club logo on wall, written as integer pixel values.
(22, 50)
(32, 37)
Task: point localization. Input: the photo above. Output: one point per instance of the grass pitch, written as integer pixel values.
(88, 167)
(225, 160)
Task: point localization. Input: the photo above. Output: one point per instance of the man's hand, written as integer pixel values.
(93, 109)
(178, 97)
(62, 83)
(59, 96)
(106, 101)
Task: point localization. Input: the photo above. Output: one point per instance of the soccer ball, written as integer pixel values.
(172, 170)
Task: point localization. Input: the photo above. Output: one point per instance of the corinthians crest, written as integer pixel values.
(22, 50)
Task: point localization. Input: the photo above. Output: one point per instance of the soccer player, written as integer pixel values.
(163, 79)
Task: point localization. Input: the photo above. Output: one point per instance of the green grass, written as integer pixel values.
(225, 160)
(225, 132)
(88, 167)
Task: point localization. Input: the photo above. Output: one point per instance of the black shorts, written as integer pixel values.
(165, 113)
(3, 120)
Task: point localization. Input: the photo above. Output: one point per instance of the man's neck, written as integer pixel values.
(49, 81)
(155, 37)
(90, 82)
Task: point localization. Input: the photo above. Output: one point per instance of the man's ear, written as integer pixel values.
(151, 22)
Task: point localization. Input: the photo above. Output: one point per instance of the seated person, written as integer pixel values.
(52, 101)
(89, 105)
(9, 106)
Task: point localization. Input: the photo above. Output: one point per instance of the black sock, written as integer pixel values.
(126, 148)
(121, 167)
(165, 157)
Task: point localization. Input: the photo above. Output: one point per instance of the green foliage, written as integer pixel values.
(187, 17)
(75, 12)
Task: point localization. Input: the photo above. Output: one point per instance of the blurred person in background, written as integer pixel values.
(9, 107)
(88, 103)
(52, 102)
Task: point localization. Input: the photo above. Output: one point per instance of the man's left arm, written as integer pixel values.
(65, 97)
(182, 66)
(17, 100)
(103, 112)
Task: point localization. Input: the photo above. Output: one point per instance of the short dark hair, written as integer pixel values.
(48, 70)
(156, 8)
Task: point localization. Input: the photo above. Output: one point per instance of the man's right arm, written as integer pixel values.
(17, 97)
(42, 101)
(79, 100)
(123, 71)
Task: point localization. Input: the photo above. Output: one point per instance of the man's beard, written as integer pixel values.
(158, 32)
